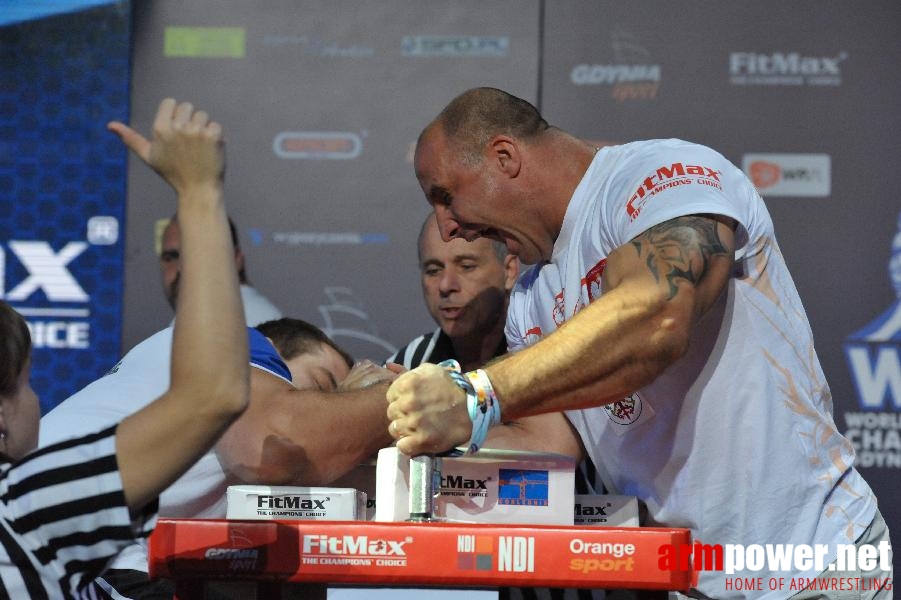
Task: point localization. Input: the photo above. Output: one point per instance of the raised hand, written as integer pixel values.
(186, 148)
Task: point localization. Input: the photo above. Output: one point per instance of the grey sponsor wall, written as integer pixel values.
(321, 102)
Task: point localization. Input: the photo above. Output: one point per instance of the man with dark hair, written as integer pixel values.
(315, 361)
(257, 308)
(661, 316)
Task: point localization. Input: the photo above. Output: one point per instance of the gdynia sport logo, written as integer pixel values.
(751, 562)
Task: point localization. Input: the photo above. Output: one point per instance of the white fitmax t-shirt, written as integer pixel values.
(735, 441)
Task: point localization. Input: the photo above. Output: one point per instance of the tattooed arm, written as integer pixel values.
(655, 288)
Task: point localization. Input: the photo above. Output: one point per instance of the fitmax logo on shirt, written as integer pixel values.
(668, 177)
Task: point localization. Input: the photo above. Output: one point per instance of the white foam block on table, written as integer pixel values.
(492, 486)
(265, 502)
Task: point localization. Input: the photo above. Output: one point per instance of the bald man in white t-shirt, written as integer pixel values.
(661, 316)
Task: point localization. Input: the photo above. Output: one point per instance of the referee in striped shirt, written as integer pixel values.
(66, 509)
(466, 286)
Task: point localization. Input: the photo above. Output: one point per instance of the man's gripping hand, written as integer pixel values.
(427, 411)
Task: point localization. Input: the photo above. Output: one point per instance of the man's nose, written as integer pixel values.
(447, 226)
(448, 282)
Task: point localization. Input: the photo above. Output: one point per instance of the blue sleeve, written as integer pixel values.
(264, 355)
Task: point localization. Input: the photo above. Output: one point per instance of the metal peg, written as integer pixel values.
(425, 483)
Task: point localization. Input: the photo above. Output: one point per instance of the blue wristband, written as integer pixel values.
(481, 403)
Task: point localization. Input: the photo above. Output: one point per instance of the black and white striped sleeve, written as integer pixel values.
(64, 516)
(416, 352)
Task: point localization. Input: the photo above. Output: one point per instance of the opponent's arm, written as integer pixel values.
(209, 370)
(656, 287)
(307, 437)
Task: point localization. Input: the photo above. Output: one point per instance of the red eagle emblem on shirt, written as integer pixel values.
(592, 280)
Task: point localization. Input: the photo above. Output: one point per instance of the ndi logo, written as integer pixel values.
(874, 358)
(475, 552)
(516, 553)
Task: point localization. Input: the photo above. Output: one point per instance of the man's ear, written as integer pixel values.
(511, 271)
(504, 153)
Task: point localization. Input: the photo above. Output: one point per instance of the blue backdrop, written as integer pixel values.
(62, 188)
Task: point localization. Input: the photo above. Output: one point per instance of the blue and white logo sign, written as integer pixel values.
(874, 359)
(62, 192)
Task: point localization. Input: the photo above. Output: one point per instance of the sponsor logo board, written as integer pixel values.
(41, 283)
(204, 42)
(318, 145)
(789, 175)
(314, 45)
(522, 487)
(785, 69)
(873, 355)
(632, 74)
(455, 45)
(354, 550)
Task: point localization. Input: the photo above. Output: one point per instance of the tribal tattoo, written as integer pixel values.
(680, 248)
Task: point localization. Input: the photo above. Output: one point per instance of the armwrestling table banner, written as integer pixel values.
(191, 551)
